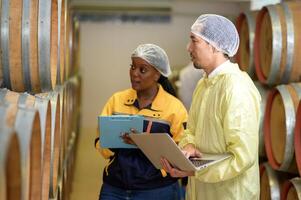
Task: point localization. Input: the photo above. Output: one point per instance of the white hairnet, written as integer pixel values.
(217, 31)
(155, 56)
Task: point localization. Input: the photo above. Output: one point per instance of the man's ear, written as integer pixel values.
(213, 49)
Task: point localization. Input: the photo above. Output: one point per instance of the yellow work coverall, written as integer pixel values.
(224, 118)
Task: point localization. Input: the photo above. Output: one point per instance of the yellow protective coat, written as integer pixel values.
(224, 118)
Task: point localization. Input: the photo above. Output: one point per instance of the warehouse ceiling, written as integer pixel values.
(100, 4)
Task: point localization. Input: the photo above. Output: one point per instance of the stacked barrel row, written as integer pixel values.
(39, 99)
(38, 44)
(270, 53)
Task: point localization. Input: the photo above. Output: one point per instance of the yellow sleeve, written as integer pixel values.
(188, 136)
(241, 123)
(179, 123)
(107, 110)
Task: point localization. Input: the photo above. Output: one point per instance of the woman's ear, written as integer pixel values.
(157, 76)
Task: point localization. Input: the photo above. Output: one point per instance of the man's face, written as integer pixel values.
(143, 75)
(201, 52)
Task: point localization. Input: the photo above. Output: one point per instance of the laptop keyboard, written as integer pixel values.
(198, 163)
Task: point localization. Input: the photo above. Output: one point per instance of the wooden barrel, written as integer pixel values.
(297, 138)
(279, 124)
(61, 41)
(277, 43)
(263, 92)
(54, 98)
(291, 189)
(29, 44)
(26, 122)
(10, 164)
(245, 25)
(43, 106)
(48, 43)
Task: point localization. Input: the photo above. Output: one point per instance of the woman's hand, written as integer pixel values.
(174, 172)
(126, 138)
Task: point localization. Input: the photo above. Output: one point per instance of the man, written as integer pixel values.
(223, 118)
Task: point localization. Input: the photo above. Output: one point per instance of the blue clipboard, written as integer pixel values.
(111, 128)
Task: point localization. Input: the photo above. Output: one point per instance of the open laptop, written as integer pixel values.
(157, 145)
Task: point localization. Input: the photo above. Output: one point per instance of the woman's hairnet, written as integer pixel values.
(155, 56)
(218, 31)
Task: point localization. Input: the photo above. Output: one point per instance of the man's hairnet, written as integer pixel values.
(217, 31)
(155, 56)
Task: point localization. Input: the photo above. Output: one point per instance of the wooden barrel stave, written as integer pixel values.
(10, 164)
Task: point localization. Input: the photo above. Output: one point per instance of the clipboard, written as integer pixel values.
(113, 126)
(157, 145)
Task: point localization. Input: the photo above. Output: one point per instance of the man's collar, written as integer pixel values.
(218, 69)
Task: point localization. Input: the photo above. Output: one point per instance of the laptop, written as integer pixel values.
(157, 145)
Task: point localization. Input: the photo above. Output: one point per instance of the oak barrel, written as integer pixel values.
(245, 25)
(29, 45)
(26, 123)
(277, 43)
(279, 124)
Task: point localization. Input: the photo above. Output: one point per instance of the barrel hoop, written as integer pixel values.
(297, 184)
(290, 43)
(44, 31)
(55, 105)
(297, 88)
(290, 124)
(5, 43)
(26, 44)
(274, 185)
(277, 45)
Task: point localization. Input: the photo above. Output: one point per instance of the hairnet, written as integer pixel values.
(155, 56)
(217, 31)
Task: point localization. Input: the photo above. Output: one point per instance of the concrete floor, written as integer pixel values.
(88, 168)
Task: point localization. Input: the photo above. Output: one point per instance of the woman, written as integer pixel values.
(129, 174)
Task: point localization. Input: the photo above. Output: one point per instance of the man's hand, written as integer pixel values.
(174, 172)
(189, 150)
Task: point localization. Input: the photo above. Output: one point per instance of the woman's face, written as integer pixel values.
(143, 75)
